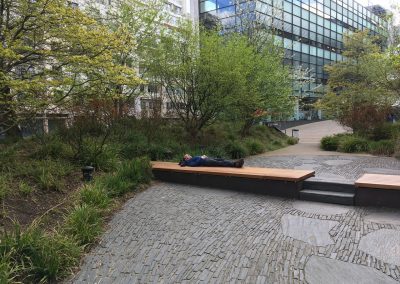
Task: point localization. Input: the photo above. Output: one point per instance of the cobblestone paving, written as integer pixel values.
(184, 234)
(346, 168)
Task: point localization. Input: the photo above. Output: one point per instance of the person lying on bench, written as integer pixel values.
(204, 161)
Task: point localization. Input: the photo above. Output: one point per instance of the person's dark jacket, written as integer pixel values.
(195, 161)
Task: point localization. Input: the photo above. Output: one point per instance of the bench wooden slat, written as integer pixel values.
(379, 181)
(248, 172)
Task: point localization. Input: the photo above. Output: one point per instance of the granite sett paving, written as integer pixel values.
(175, 233)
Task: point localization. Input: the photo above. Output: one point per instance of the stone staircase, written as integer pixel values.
(328, 192)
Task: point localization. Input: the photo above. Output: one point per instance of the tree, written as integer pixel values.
(144, 22)
(54, 56)
(202, 73)
(358, 94)
(268, 90)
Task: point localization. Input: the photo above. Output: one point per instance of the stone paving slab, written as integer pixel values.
(335, 168)
(174, 233)
(330, 271)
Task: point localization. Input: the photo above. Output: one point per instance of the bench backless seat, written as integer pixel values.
(378, 190)
(281, 182)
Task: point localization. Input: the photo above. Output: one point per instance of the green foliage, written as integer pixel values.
(217, 152)
(127, 177)
(36, 256)
(358, 95)
(160, 152)
(236, 150)
(292, 140)
(382, 147)
(8, 268)
(228, 75)
(331, 143)
(95, 194)
(85, 71)
(48, 174)
(116, 186)
(4, 186)
(7, 157)
(104, 158)
(254, 146)
(53, 148)
(382, 141)
(353, 144)
(84, 224)
(385, 131)
(25, 189)
(138, 170)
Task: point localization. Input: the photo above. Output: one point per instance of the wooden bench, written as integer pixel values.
(280, 182)
(378, 190)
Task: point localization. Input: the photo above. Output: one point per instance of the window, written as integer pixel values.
(224, 3)
(208, 5)
(287, 7)
(296, 21)
(296, 10)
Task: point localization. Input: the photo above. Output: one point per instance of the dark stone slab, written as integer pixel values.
(377, 197)
(261, 186)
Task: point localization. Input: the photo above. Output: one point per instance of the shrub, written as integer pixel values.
(48, 181)
(103, 158)
(330, 143)
(292, 140)
(95, 195)
(48, 174)
(383, 147)
(382, 132)
(216, 152)
(260, 131)
(4, 186)
(132, 150)
(115, 186)
(84, 224)
(137, 170)
(353, 144)
(53, 148)
(159, 152)
(25, 189)
(8, 268)
(38, 257)
(127, 177)
(254, 146)
(236, 150)
(7, 157)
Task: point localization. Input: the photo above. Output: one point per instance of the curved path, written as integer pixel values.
(174, 233)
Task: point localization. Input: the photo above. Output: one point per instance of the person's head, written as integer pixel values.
(187, 157)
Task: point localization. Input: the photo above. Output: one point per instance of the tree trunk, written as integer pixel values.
(246, 127)
(8, 119)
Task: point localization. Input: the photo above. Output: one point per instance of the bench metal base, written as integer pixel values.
(377, 197)
(261, 186)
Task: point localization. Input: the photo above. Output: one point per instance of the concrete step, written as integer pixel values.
(336, 197)
(335, 186)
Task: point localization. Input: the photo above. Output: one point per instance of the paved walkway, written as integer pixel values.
(184, 234)
(310, 136)
(174, 233)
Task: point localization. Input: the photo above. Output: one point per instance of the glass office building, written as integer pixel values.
(311, 31)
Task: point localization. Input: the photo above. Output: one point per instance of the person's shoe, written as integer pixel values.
(239, 163)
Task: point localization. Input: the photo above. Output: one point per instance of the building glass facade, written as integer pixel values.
(311, 31)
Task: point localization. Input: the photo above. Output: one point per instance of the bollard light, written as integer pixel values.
(87, 172)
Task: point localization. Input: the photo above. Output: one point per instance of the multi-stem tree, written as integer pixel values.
(53, 56)
(145, 22)
(358, 95)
